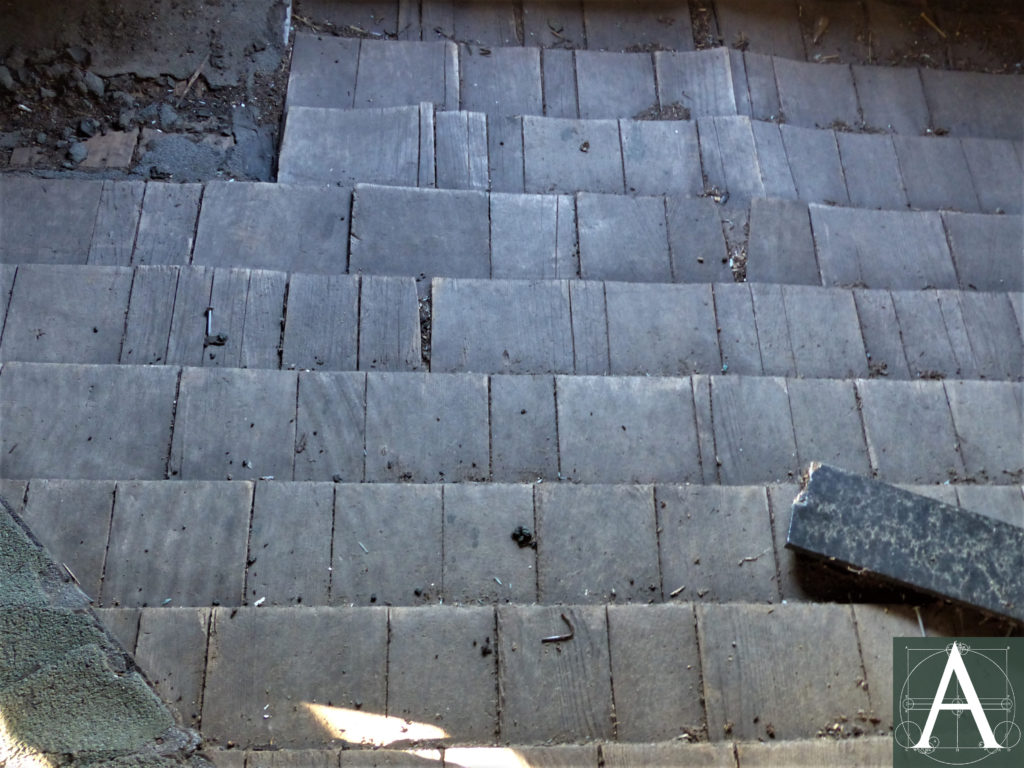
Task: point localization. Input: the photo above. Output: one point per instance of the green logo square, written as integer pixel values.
(958, 701)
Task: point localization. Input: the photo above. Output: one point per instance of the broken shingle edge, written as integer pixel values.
(70, 694)
(914, 541)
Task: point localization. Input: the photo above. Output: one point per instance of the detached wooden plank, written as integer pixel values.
(389, 322)
(167, 227)
(910, 539)
(150, 311)
(116, 222)
(264, 313)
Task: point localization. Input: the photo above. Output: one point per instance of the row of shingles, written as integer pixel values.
(869, 752)
(403, 231)
(630, 673)
(716, 155)
(345, 73)
(676, 239)
(380, 427)
(538, 327)
(152, 543)
(158, 315)
(205, 316)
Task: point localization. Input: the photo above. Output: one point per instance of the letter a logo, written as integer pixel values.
(956, 666)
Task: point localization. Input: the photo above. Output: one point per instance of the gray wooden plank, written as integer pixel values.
(1003, 502)
(909, 431)
(935, 173)
(567, 247)
(739, 157)
(880, 329)
(872, 171)
(996, 172)
(186, 341)
(572, 155)
(696, 241)
(614, 84)
(627, 429)
(781, 247)
(264, 320)
(952, 314)
(838, 439)
(824, 331)
(988, 419)
(323, 71)
(167, 226)
(553, 691)
(420, 232)
(771, 26)
(524, 236)
(321, 654)
(389, 324)
(426, 173)
(623, 755)
(117, 219)
(505, 81)
(437, 19)
(753, 697)
(487, 24)
(737, 331)
(926, 340)
(48, 221)
(698, 81)
(864, 524)
(992, 329)
(66, 313)
(986, 250)
(180, 541)
(426, 427)
(771, 158)
(342, 146)
(461, 150)
(150, 312)
(974, 103)
(441, 651)
(7, 273)
(845, 33)
(479, 551)
(762, 87)
(709, 464)
(817, 95)
(661, 329)
(234, 424)
(578, 563)
(740, 89)
(645, 25)
(553, 24)
(524, 443)
(753, 429)
(623, 238)
(773, 339)
(505, 164)
(559, 78)
(228, 296)
(71, 518)
(122, 624)
(716, 543)
(892, 99)
(589, 327)
(815, 164)
(172, 650)
(661, 157)
(321, 325)
(330, 427)
(273, 226)
(289, 556)
(501, 326)
(399, 526)
(394, 73)
(882, 249)
(655, 667)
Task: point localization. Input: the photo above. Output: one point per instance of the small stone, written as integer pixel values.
(94, 83)
(77, 152)
(42, 138)
(6, 79)
(46, 94)
(42, 56)
(79, 55)
(127, 119)
(168, 117)
(123, 98)
(88, 127)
